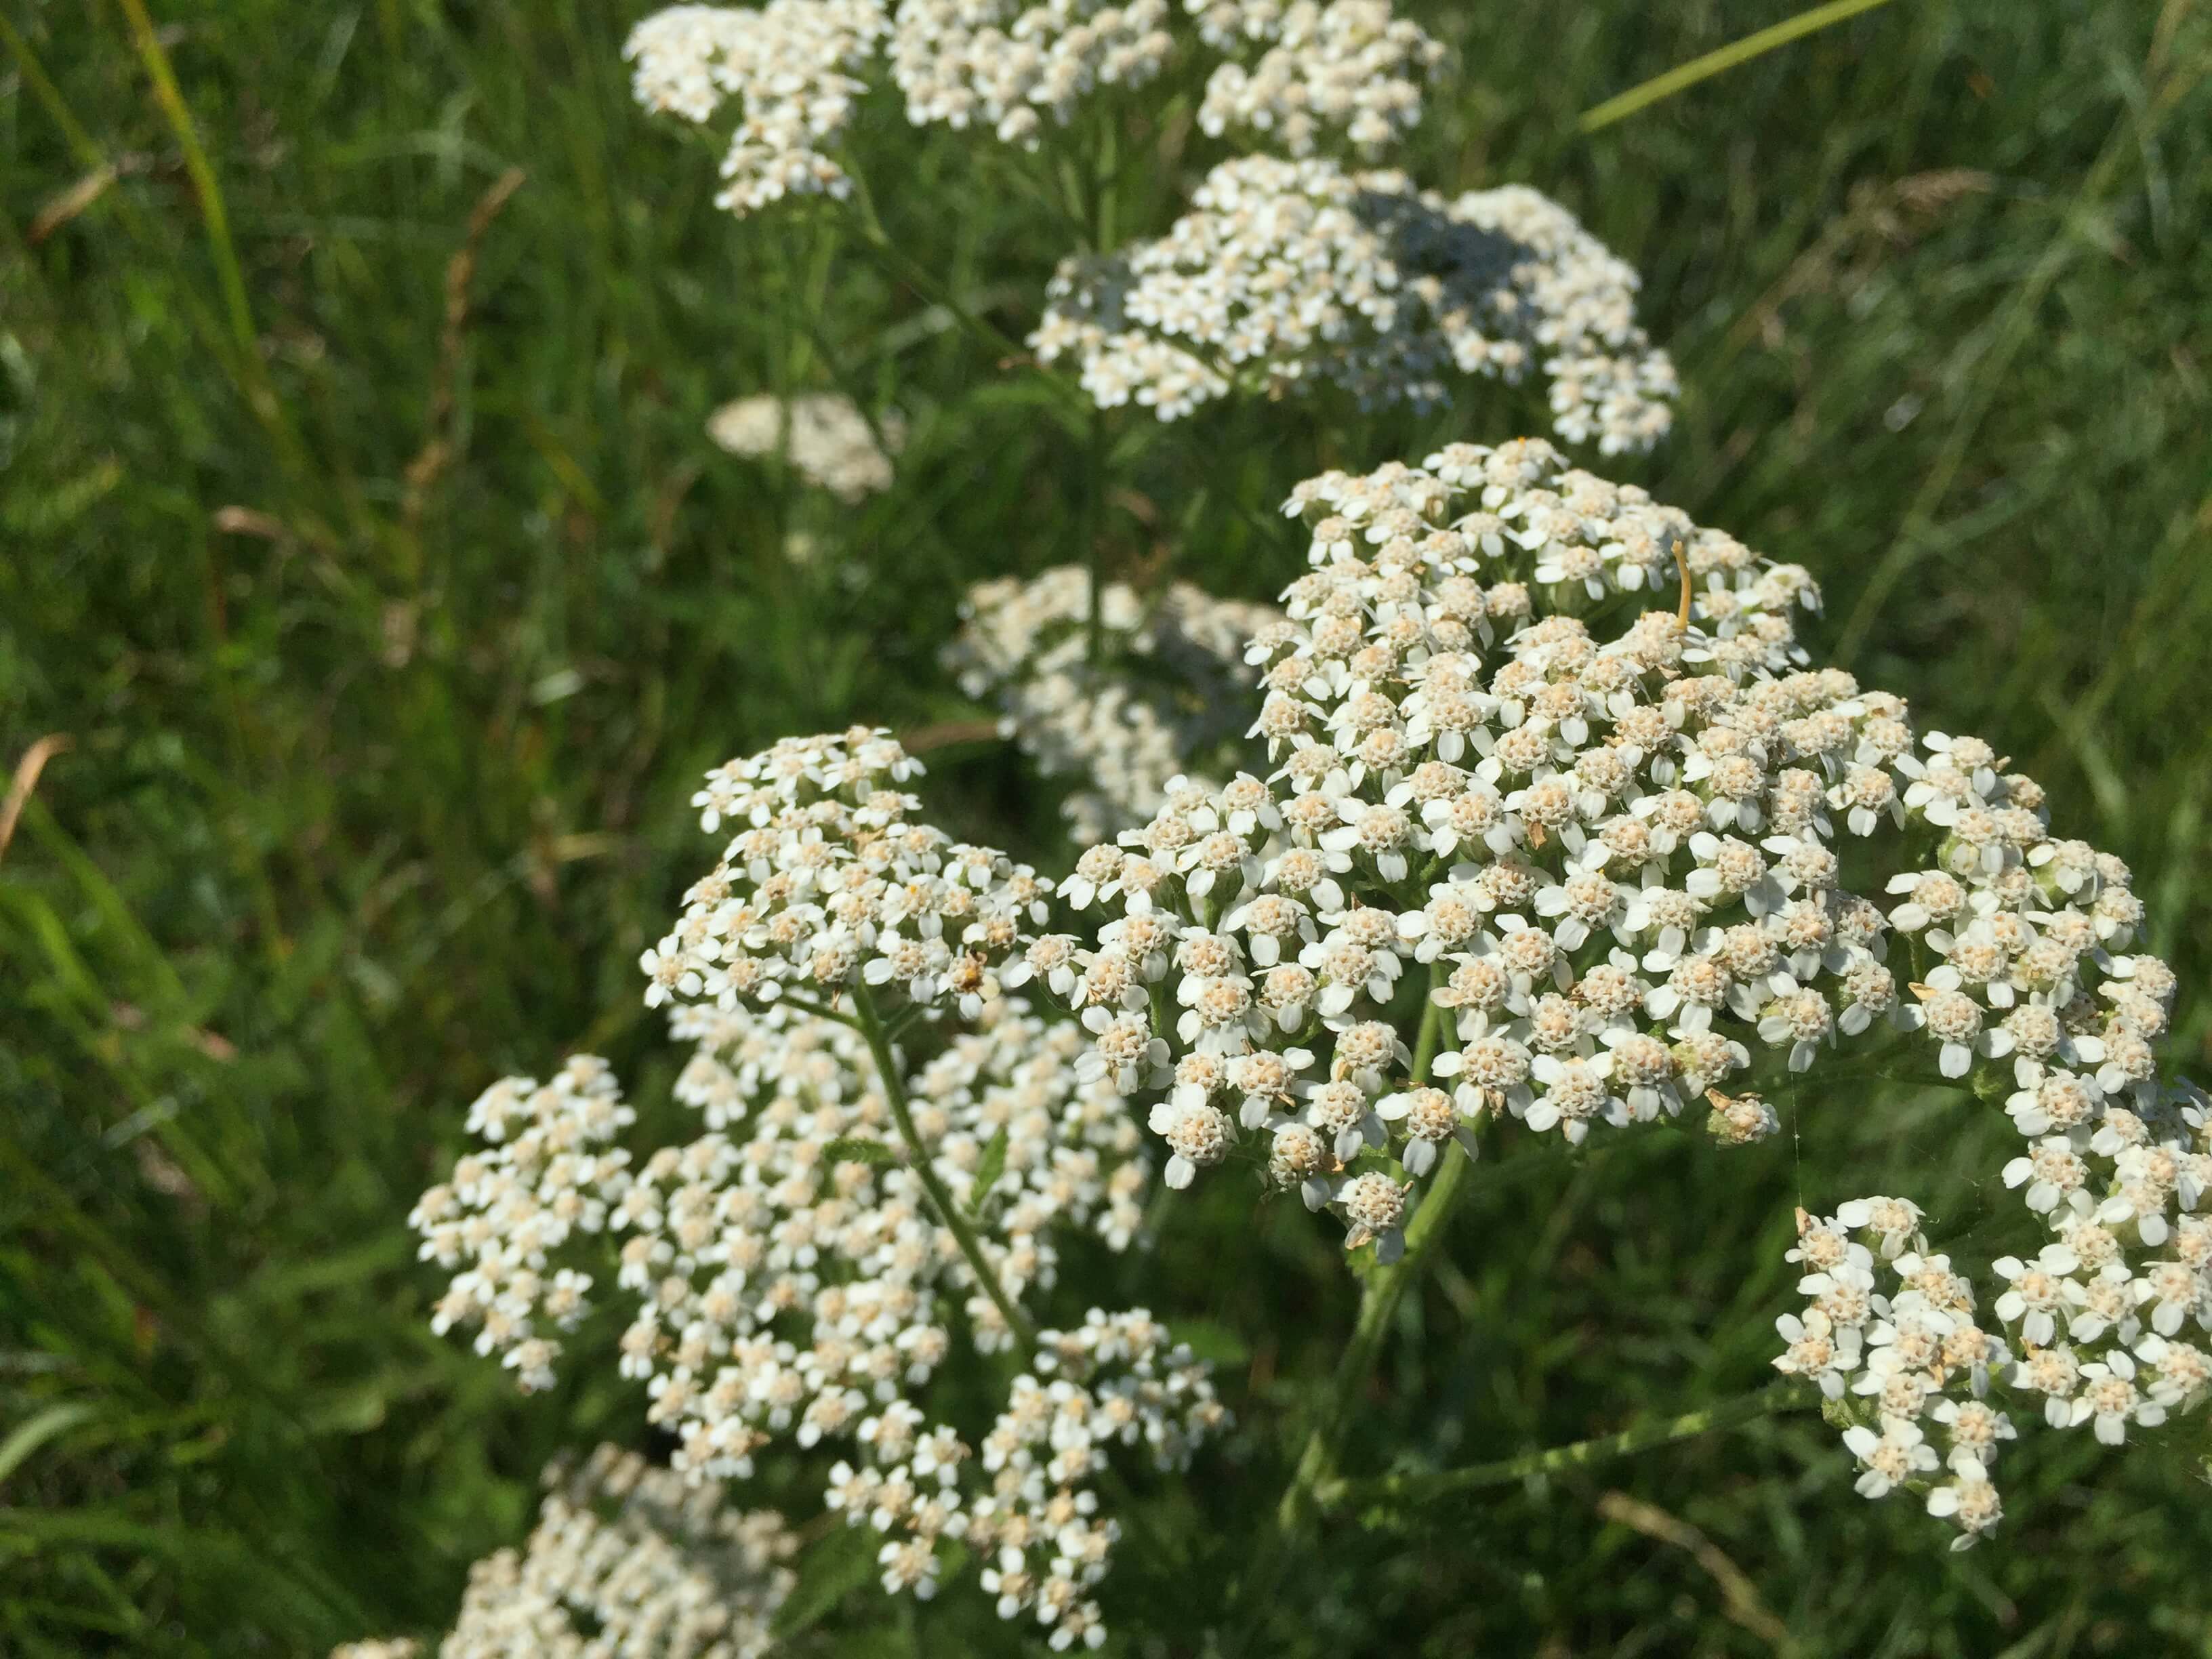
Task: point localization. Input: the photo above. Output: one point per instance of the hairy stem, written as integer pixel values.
(870, 1024)
(1407, 1492)
(1093, 523)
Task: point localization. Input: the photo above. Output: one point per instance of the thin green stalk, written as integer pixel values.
(870, 1025)
(81, 142)
(260, 394)
(1093, 525)
(1408, 1492)
(1098, 446)
(1378, 1311)
(1386, 1288)
(1108, 145)
(813, 297)
(1660, 87)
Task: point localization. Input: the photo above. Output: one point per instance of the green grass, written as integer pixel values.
(385, 706)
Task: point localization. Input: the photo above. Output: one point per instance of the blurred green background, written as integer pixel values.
(390, 607)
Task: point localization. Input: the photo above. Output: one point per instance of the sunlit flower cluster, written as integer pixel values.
(625, 1560)
(1006, 66)
(1347, 68)
(1292, 272)
(1505, 870)
(823, 434)
(1350, 66)
(830, 884)
(1165, 696)
(1539, 850)
(1889, 1336)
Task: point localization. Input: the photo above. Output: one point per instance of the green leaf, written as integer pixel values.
(34, 1433)
(987, 1171)
(859, 1149)
(1209, 1339)
(830, 1571)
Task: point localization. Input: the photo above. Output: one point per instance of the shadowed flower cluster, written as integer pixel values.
(1288, 273)
(1166, 689)
(625, 1560)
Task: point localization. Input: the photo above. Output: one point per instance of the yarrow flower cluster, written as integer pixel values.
(1348, 68)
(1894, 1362)
(1532, 853)
(1000, 65)
(548, 1173)
(1291, 272)
(822, 433)
(628, 1559)
(833, 1222)
(1351, 66)
(1164, 697)
(831, 883)
(1496, 830)
(792, 62)
(799, 1272)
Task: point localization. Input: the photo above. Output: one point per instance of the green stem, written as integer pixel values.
(1097, 452)
(1386, 1288)
(870, 1025)
(903, 268)
(1093, 523)
(1435, 1017)
(1727, 58)
(1413, 1491)
(1378, 1311)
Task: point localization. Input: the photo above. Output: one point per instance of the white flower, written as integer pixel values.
(823, 434)
(2039, 1289)
(1897, 1454)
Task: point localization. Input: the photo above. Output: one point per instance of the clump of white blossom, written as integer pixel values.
(791, 62)
(625, 1560)
(822, 433)
(1346, 68)
(1560, 831)
(863, 1074)
(1558, 866)
(1291, 272)
(1890, 1336)
(1351, 67)
(1539, 856)
(1167, 691)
